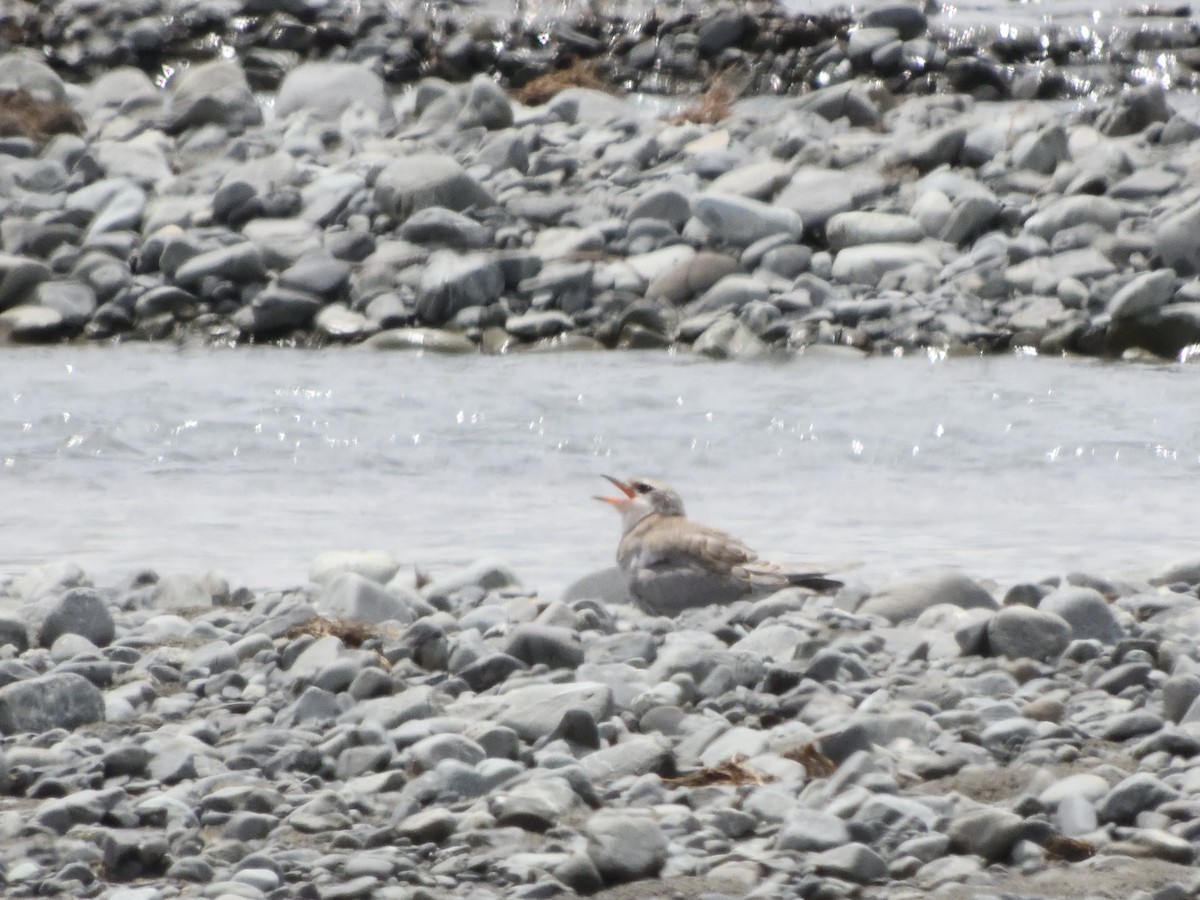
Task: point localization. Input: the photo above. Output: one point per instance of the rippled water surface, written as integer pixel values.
(250, 462)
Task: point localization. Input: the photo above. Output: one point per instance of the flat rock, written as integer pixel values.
(908, 599)
(429, 340)
(452, 282)
(535, 711)
(326, 90)
(1018, 631)
(212, 93)
(625, 846)
(375, 565)
(868, 263)
(851, 229)
(418, 182)
(742, 221)
(359, 598)
(1086, 611)
(62, 700)
(80, 611)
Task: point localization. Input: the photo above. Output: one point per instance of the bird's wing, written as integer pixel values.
(678, 541)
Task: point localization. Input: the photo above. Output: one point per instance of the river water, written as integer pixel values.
(249, 462)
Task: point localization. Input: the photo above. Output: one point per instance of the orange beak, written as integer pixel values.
(623, 488)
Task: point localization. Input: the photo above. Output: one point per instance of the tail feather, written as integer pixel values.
(814, 581)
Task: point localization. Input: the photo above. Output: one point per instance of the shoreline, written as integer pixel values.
(906, 186)
(363, 736)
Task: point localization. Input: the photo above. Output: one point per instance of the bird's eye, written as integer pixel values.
(641, 487)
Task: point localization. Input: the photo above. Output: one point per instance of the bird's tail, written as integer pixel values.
(814, 581)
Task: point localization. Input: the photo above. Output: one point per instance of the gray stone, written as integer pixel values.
(851, 229)
(908, 599)
(969, 217)
(18, 277)
(421, 181)
(606, 585)
(729, 338)
(851, 102)
(80, 611)
(425, 754)
(868, 263)
(436, 225)
(731, 292)
(212, 93)
(812, 829)
(277, 310)
(64, 700)
(180, 591)
(691, 276)
(428, 826)
(1137, 793)
(283, 241)
(14, 632)
(537, 805)
(625, 846)
(989, 832)
(487, 574)
(818, 194)
(451, 282)
(486, 105)
(1067, 212)
(356, 597)
(239, 263)
(759, 180)
(1168, 333)
(742, 221)
(74, 301)
(1124, 726)
(118, 206)
(32, 324)
(427, 340)
(533, 644)
(1041, 151)
(326, 90)
(1178, 694)
(665, 204)
(337, 322)
(24, 69)
(1147, 293)
(1133, 110)
(535, 711)
(1086, 611)
(534, 325)
(1018, 632)
(376, 565)
(851, 862)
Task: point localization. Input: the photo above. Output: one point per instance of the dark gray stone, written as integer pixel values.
(625, 846)
(907, 600)
(80, 611)
(50, 701)
(989, 832)
(1137, 793)
(1018, 631)
(550, 645)
(1086, 611)
(418, 182)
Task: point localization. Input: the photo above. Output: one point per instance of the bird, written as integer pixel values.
(671, 563)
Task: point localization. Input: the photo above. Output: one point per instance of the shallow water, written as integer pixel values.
(250, 462)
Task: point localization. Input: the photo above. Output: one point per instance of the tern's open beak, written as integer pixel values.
(623, 488)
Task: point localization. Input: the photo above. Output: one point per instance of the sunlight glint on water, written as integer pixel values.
(250, 463)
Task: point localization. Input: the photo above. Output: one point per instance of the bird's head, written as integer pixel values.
(642, 496)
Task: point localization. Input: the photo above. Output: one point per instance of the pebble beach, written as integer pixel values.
(732, 181)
